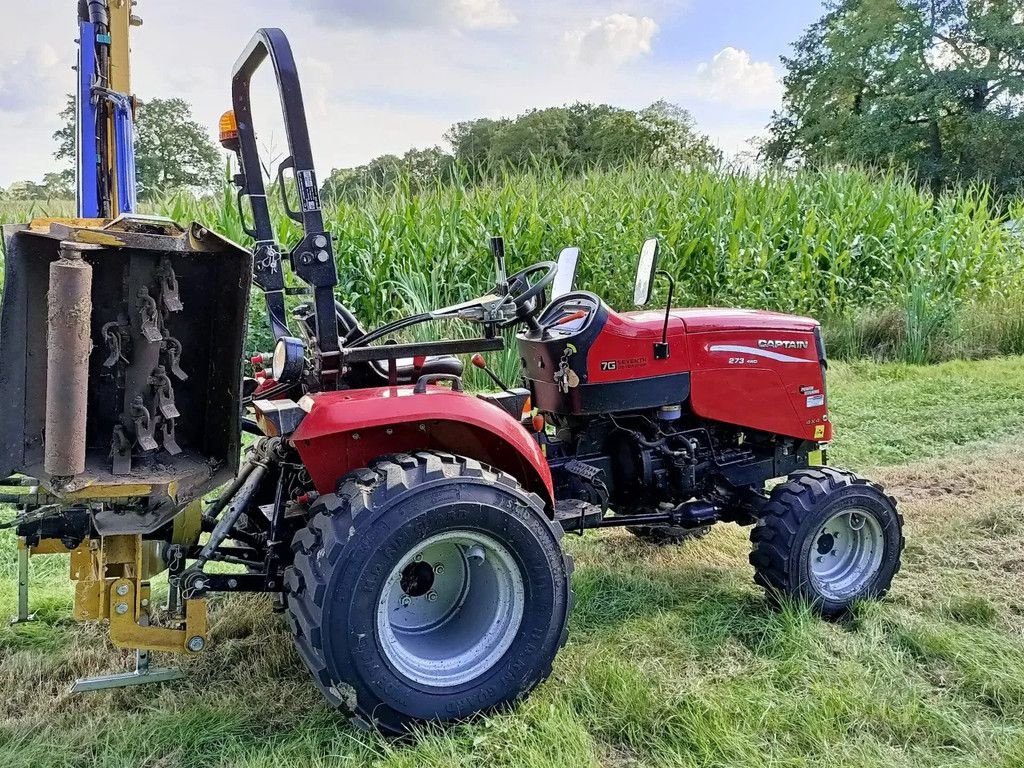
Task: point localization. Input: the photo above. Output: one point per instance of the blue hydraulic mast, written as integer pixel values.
(105, 156)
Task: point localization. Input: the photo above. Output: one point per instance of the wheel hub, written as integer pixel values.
(847, 554)
(417, 579)
(450, 608)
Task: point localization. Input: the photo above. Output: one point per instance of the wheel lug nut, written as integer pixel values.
(439, 568)
(406, 601)
(431, 596)
(418, 558)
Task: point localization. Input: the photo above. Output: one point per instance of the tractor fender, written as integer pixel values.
(346, 430)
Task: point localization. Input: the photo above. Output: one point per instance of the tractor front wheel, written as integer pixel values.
(827, 537)
(428, 588)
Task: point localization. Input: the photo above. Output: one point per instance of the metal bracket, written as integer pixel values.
(167, 437)
(113, 337)
(169, 295)
(150, 316)
(23, 615)
(144, 425)
(173, 349)
(163, 393)
(142, 675)
(120, 451)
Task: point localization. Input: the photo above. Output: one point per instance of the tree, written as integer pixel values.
(172, 150)
(541, 136)
(673, 139)
(471, 143)
(570, 139)
(56, 186)
(420, 168)
(581, 136)
(935, 86)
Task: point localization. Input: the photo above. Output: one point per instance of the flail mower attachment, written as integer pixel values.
(120, 389)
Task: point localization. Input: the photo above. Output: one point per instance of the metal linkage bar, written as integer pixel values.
(23, 614)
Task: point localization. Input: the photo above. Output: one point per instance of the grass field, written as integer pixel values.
(674, 657)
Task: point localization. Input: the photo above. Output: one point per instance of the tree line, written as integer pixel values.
(570, 139)
(933, 87)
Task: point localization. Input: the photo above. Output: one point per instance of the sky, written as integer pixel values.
(382, 76)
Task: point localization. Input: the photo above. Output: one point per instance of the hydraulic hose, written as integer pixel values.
(238, 505)
(99, 15)
(213, 512)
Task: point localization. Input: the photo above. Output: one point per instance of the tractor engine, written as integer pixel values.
(639, 461)
(653, 409)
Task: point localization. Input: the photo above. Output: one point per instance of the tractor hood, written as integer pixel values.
(710, 319)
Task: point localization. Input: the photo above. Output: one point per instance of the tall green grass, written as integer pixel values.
(894, 273)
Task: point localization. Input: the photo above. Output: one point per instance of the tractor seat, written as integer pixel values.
(408, 371)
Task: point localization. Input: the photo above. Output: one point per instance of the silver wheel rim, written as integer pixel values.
(846, 553)
(450, 608)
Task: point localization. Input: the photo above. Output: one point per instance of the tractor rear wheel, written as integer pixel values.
(428, 588)
(828, 537)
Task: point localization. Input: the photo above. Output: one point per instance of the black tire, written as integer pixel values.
(355, 542)
(668, 535)
(793, 531)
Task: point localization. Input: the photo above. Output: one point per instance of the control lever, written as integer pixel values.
(478, 361)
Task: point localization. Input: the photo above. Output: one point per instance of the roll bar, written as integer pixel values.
(312, 259)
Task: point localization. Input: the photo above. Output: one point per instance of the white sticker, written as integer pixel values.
(815, 401)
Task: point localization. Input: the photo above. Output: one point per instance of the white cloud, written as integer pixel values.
(615, 39)
(376, 88)
(484, 14)
(732, 76)
(23, 77)
(412, 14)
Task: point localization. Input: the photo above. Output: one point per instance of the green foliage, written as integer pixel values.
(419, 169)
(172, 150)
(930, 85)
(821, 243)
(892, 273)
(54, 186)
(564, 140)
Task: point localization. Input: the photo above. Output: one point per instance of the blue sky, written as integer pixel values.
(385, 75)
(763, 29)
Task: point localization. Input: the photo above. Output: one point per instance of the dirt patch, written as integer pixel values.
(965, 530)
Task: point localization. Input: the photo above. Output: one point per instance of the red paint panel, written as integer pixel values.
(627, 341)
(395, 419)
(736, 380)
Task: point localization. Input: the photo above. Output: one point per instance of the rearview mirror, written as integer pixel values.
(566, 275)
(645, 269)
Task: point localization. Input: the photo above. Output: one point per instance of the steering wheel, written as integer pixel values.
(524, 292)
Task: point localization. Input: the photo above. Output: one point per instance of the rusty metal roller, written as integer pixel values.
(69, 313)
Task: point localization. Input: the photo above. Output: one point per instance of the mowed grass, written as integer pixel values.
(674, 658)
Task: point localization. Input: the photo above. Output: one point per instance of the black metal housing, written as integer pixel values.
(313, 258)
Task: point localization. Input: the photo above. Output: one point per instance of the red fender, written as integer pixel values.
(347, 430)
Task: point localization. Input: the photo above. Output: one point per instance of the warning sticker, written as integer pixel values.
(308, 194)
(819, 431)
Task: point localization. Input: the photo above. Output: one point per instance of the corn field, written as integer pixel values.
(893, 273)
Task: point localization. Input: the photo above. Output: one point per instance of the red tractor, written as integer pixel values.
(413, 529)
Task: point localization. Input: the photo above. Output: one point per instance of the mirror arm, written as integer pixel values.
(661, 349)
(498, 252)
